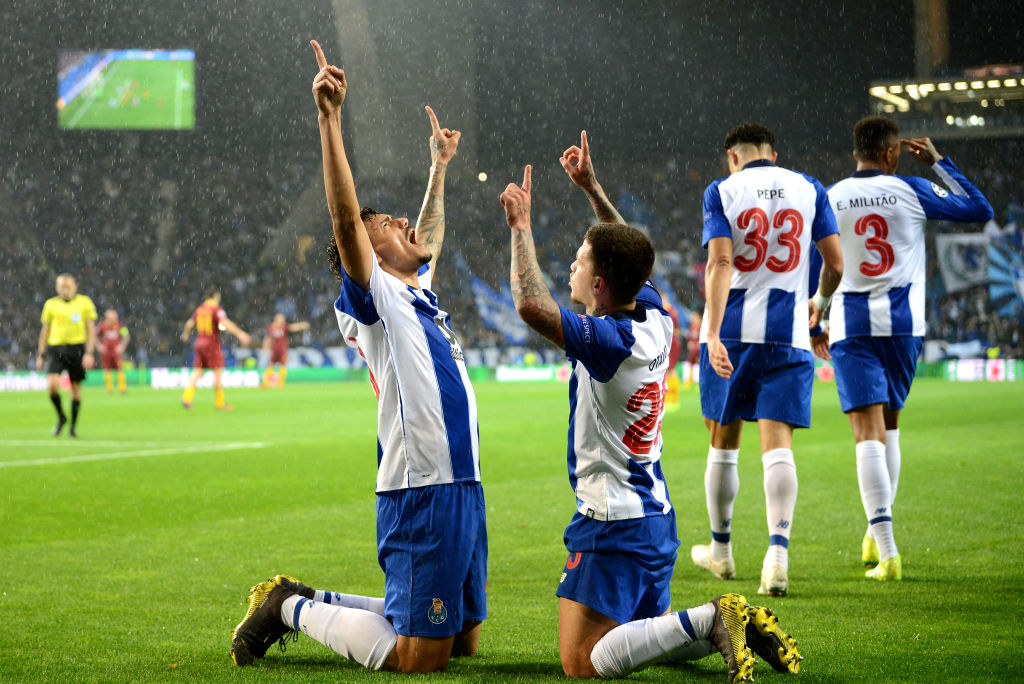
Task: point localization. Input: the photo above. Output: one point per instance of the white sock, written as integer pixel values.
(630, 646)
(370, 603)
(876, 495)
(892, 459)
(359, 635)
(721, 484)
(780, 487)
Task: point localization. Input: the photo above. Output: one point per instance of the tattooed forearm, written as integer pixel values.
(532, 298)
(430, 224)
(603, 208)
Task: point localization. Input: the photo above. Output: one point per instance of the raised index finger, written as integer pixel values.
(583, 144)
(321, 61)
(527, 178)
(433, 122)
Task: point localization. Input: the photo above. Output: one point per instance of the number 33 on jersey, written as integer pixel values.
(773, 216)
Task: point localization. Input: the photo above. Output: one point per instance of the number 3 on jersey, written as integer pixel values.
(876, 243)
(755, 222)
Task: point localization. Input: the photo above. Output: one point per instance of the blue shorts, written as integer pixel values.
(620, 568)
(768, 381)
(432, 547)
(875, 370)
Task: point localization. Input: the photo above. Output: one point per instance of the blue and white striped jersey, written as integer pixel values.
(766, 211)
(616, 403)
(427, 429)
(881, 228)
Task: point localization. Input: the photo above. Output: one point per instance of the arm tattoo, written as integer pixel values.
(604, 210)
(430, 224)
(530, 292)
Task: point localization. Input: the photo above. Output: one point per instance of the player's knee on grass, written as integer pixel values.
(420, 655)
(466, 641)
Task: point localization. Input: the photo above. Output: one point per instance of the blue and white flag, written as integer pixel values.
(498, 312)
(1006, 277)
(963, 259)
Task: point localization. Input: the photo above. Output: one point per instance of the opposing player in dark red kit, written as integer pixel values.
(276, 344)
(114, 338)
(207, 320)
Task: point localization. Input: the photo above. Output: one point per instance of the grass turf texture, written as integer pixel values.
(136, 94)
(135, 568)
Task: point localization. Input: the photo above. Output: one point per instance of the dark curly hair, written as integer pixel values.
(623, 256)
(751, 133)
(872, 136)
(333, 257)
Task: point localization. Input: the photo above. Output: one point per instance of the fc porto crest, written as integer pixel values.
(437, 613)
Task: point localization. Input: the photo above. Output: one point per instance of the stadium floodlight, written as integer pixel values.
(960, 85)
(994, 83)
(883, 94)
(1010, 83)
(945, 86)
(975, 85)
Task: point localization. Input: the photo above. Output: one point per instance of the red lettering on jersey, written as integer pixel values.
(757, 238)
(876, 243)
(637, 435)
(573, 561)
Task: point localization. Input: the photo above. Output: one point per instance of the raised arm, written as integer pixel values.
(430, 224)
(329, 88)
(577, 164)
(533, 300)
(187, 330)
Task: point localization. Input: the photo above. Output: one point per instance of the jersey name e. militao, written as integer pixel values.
(773, 216)
(427, 430)
(881, 228)
(616, 403)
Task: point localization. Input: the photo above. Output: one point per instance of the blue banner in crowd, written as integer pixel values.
(1006, 276)
(498, 312)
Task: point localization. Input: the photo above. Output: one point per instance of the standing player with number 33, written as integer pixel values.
(877, 320)
(755, 357)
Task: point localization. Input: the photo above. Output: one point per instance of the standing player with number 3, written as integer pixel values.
(755, 359)
(877, 320)
(614, 606)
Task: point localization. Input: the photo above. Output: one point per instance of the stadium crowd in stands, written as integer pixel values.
(147, 239)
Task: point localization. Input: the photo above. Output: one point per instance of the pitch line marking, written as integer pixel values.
(103, 79)
(232, 446)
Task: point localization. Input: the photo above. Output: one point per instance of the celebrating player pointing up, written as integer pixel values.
(431, 528)
(614, 610)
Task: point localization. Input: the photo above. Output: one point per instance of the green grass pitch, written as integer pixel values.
(126, 556)
(135, 94)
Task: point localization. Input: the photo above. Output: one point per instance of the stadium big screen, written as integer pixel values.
(126, 89)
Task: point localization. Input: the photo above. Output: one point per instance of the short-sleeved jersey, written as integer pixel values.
(616, 403)
(773, 216)
(69, 320)
(427, 430)
(278, 335)
(881, 228)
(207, 318)
(110, 334)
